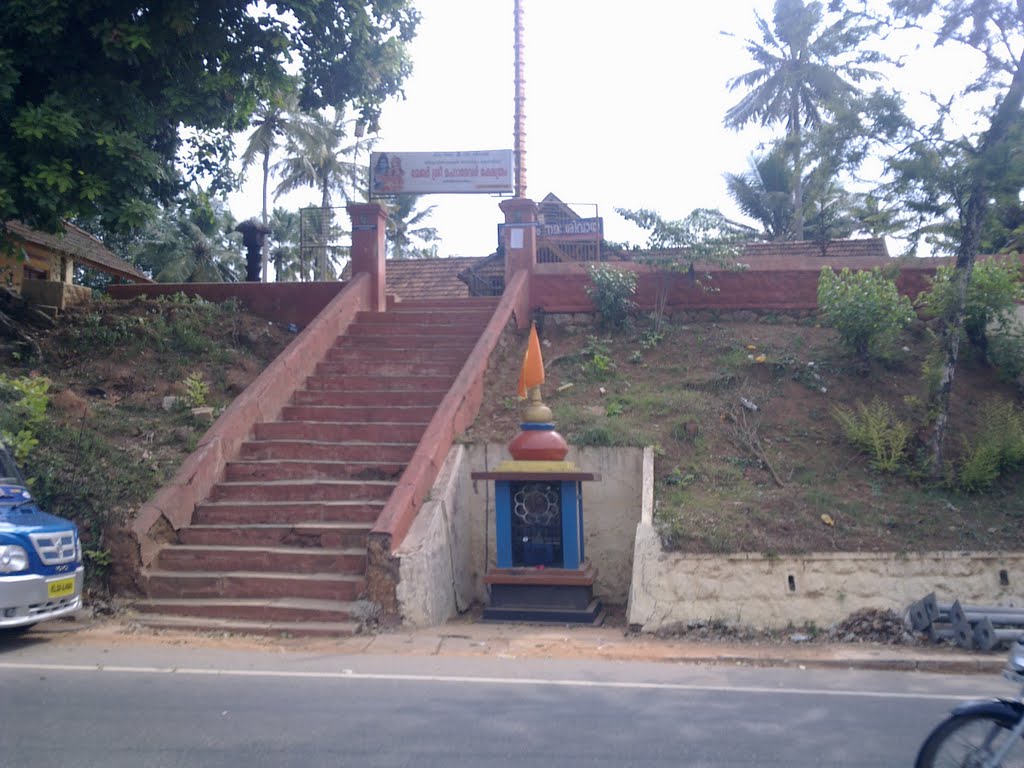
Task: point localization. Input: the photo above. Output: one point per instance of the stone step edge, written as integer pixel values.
(241, 627)
(346, 443)
(282, 575)
(260, 503)
(311, 526)
(305, 603)
(304, 482)
(276, 549)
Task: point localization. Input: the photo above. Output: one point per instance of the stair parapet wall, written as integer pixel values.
(455, 413)
(174, 504)
(562, 288)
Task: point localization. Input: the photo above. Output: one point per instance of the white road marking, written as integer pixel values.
(349, 674)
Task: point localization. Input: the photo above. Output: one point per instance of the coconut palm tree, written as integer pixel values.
(284, 248)
(270, 123)
(805, 71)
(193, 243)
(317, 156)
(765, 193)
(405, 225)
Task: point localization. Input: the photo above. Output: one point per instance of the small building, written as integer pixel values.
(46, 275)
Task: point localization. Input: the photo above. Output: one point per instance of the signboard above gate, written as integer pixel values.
(427, 173)
(572, 230)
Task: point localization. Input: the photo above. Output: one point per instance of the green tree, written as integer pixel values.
(704, 238)
(805, 72)
(765, 193)
(992, 296)
(407, 235)
(192, 242)
(942, 172)
(269, 125)
(318, 155)
(284, 247)
(108, 109)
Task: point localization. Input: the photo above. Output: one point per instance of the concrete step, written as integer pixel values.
(294, 609)
(303, 490)
(410, 329)
(460, 304)
(286, 513)
(253, 584)
(408, 367)
(340, 432)
(412, 341)
(396, 397)
(354, 383)
(281, 469)
(237, 627)
(196, 557)
(338, 352)
(307, 535)
(473, 316)
(408, 414)
(311, 450)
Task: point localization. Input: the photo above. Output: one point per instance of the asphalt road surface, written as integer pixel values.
(192, 707)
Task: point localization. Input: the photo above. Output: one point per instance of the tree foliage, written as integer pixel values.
(806, 70)
(408, 236)
(993, 294)
(191, 242)
(953, 179)
(107, 109)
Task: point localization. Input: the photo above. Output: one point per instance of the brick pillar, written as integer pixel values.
(519, 238)
(369, 221)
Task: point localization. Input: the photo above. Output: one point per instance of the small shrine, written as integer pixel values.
(541, 572)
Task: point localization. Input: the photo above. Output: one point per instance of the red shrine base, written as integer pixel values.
(544, 595)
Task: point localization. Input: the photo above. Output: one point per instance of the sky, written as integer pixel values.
(624, 107)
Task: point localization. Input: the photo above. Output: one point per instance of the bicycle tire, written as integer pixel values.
(960, 742)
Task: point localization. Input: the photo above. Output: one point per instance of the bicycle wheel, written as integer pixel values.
(968, 741)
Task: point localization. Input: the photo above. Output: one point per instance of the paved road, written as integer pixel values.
(171, 706)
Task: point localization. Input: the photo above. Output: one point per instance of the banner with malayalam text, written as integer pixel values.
(427, 173)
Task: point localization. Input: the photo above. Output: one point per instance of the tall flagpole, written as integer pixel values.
(519, 131)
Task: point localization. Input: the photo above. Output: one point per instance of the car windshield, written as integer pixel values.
(8, 469)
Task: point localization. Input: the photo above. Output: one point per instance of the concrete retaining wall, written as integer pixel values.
(445, 555)
(671, 589)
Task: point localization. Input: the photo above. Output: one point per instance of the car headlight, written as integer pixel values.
(12, 558)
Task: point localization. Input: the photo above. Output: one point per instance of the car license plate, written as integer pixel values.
(61, 587)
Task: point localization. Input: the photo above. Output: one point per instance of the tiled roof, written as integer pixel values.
(803, 254)
(80, 246)
(807, 249)
(428, 278)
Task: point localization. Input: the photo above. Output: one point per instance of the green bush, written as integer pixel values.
(998, 447)
(993, 293)
(865, 308)
(23, 402)
(597, 363)
(980, 467)
(196, 390)
(875, 431)
(1006, 352)
(612, 292)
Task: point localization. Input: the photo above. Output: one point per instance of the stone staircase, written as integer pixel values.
(279, 546)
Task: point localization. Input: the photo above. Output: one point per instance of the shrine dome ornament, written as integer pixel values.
(538, 440)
